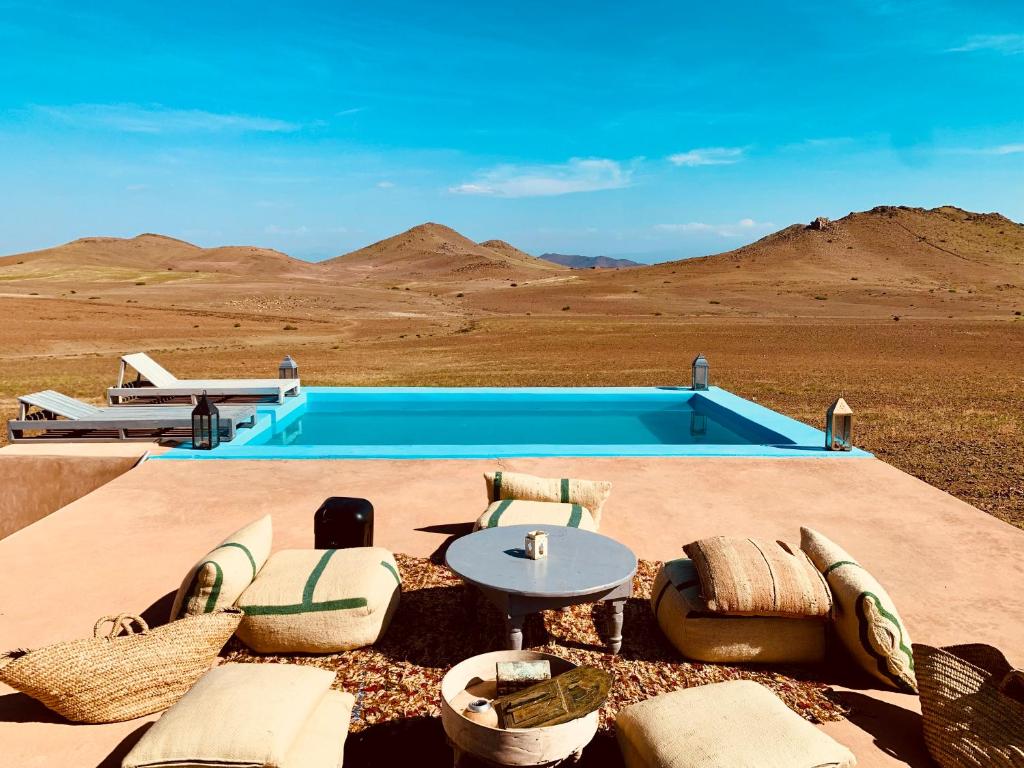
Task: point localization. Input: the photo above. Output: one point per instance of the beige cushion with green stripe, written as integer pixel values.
(865, 618)
(701, 635)
(518, 512)
(242, 715)
(320, 600)
(218, 579)
(591, 494)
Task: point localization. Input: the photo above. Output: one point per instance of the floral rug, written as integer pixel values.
(441, 621)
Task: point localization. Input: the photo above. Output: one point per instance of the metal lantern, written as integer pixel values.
(288, 369)
(700, 372)
(839, 426)
(205, 425)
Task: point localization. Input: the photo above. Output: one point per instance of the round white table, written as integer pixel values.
(581, 567)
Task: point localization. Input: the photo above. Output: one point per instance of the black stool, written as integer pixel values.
(343, 522)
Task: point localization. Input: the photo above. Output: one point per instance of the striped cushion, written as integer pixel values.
(752, 577)
(591, 494)
(703, 636)
(516, 512)
(320, 600)
(865, 618)
(218, 579)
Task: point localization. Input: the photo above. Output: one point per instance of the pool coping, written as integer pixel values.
(801, 440)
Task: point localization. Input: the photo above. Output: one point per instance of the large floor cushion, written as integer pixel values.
(736, 724)
(754, 577)
(222, 575)
(866, 619)
(549, 513)
(241, 715)
(704, 636)
(320, 600)
(591, 494)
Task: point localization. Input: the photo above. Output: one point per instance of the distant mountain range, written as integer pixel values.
(575, 261)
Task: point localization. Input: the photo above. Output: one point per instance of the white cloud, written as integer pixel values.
(1008, 45)
(274, 229)
(134, 118)
(577, 175)
(708, 156)
(385, 184)
(998, 150)
(741, 228)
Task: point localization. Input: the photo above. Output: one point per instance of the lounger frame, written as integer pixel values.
(65, 419)
(154, 382)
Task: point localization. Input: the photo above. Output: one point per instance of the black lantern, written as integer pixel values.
(205, 425)
(343, 522)
(700, 372)
(288, 369)
(839, 427)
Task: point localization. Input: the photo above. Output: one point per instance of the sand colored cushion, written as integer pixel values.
(736, 724)
(274, 715)
(704, 636)
(518, 512)
(221, 576)
(320, 600)
(753, 577)
(592, 494)
(866, 619)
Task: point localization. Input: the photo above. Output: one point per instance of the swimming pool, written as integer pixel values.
(422, 423)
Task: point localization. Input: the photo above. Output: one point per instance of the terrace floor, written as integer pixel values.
(954, 572)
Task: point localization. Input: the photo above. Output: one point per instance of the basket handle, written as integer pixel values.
(1012, 685)
(122, 623)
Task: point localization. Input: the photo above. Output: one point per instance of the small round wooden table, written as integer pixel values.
(581, 567)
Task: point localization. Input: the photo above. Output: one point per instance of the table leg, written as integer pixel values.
(515, 632)
(615, 608)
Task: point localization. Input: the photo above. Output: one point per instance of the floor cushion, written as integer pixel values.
(753, 577)
(736, 724)
(704, 636)
(222, 575)
(320, 600)
(866, 620)
(519, 512)
(591, 494)
(240, 715)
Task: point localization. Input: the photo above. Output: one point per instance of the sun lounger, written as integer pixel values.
(154, 381)
(63, 418)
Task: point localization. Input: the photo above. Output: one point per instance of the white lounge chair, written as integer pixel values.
(154, 381)
(62, 418)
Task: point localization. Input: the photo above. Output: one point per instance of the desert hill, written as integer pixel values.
(575, 261)
(886, 242)
(434, 252)
(149, 257)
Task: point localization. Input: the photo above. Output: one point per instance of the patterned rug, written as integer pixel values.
(440, 622)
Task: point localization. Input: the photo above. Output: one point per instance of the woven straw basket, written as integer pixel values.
(972, 702)
(121, 673)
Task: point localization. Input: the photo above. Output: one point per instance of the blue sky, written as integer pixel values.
(660, 129)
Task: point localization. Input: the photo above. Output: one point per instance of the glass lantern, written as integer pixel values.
(700, 373)
(288, 369)
(839, 426)
(205, 425)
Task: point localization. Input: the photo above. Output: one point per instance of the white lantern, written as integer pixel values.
(700, 373)
(839, 426)
(536, 545)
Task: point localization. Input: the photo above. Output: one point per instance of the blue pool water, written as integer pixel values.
(450, 420)
(418, 423)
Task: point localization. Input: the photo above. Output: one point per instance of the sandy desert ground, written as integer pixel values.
(914, 316)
